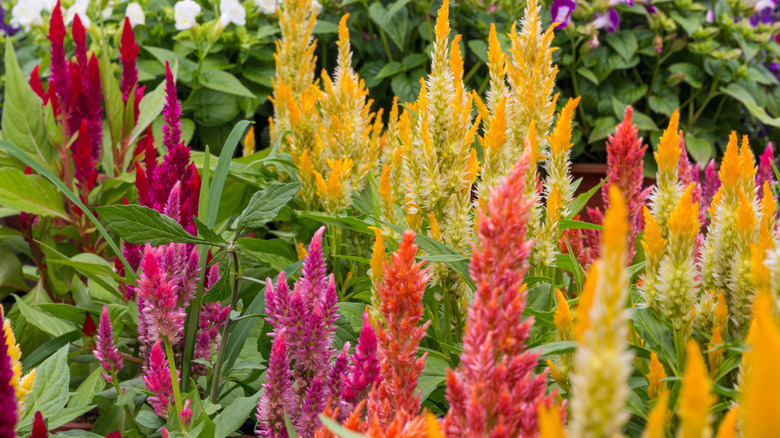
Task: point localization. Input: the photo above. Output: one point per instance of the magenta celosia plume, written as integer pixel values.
(399, 337)
(105, 349)
(765, 170)
(128, 51)
(186, 413)
(84, 165)
(277, 397)
(494, 393)
(307, 317)
(158, 381)
(39, 429)
(211, 318)
(364, 371)
(7, 395)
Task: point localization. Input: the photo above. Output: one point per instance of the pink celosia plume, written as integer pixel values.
(277, 397)
(494, 392)
(158, 381)
(765, 170)
(365, 370)
(105, 349)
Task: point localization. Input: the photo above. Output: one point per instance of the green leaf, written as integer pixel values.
(241, 331)
(554, 348)
(225, 82)
(338, 429)
(207, 233)
(691, 73)
(219, 290)
(43, 320)
(289, 426)
(624, 43)
(394, 21)
(265, 204)
(233, 417)
(567, 224)
(139, 225)
(348, 222)
(112, 98)
(23, 122)
(405, 87)
(644, 122)
(588, 74)
(602, 127)
(223, 167)
(50, 391)
(11, 274)
(48, 347)
(389, 69)
(582, 200)
(29, 193)
(88, 388)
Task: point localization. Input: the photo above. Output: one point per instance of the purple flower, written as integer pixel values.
(158, 381)
(7, 395)
(710, 16)
(277, 397)
(5, 27)
(561, 12)
(105, 350)
(608, 21)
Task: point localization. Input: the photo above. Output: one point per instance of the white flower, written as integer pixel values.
(48, 5)
(135, 14)
(316, 7)
(79, 8)
(27, 13)
(267, 7)
(184, 12)
(106, 13)
(231, 11)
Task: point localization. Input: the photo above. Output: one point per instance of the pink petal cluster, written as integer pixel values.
(398, 339)
(765, 171)
(186, 413)
(211, 318)
(161, 315)
(307, 317)
(711, 186)
(7, 395)
(158, 381)
(105, 349)
(624, 169)
(277, 398)
(494, 393)
(365, 371)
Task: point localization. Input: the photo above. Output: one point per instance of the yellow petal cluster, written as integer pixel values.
(696, 398)
(22, 383)
(667, 190)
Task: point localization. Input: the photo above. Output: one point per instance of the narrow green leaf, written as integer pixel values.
(567, 224)
(582, 200)
(88, 388)
(47, 348)
(139, 225)
(223, 167)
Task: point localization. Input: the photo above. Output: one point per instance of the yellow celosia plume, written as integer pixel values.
(434, 429)
(331, 191)
(668, 154)
(653, 243)
(684, 220)
(302, 253)
(550, 422)
(657, 419)
(696, 398)
(655, 384)
(378, 255)
(249, 142)
(582, 320)
(730, 165)
(563, 318)
(560, 138)
(760, 401)
(728, 427)
(715, 355)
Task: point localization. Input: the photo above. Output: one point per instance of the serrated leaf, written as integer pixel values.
(50, 390)
(233, 417)
(206, 233)
(219, 290)
(139, 225)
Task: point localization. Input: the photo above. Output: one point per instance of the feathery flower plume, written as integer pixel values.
(128, 51)
(550, 423)
(249, 142)
(39, 429)
(396, 397)
(158, 381)
(105, 349)
(377, 274)
(728, 426)
(8, 402)
(84, 166)
(336, 193)
(668, 188)
(655, 384)
(558, 186)
(22, 384)
(364, 371)
(758, 405)
(711, 185)
(59, 80)
(725, 259)
(307, 316)
(765, 172)
(161, 316)
(654, 246)
(440, 164)
(564, 325)
(494, 353)
(602, 361)
(696, 399)
(295, 61)
(657, 419)
(276, 400)
(676, 278)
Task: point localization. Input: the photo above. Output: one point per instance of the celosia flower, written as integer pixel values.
(765, 171)
(658, 417)
(758, 402)
(398, 338)
(88, 329)
(158, 381)
(668, 189)
(676, 283)
(307, 316)
(185, 14)
(656, 387)
(105, 349)
(7, 397)
(161, 316)
(603, 361)
(494, 353)
(135, 14)
(364, 371)
(695, 396)
(22, 384)
(728, 426)
(85, 168)
(276, 399)
(186, 413)
(39, 429)
(128, 51)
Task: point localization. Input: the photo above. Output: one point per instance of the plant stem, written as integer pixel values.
(679, 348)
(385, 45)
(223, 342)
(174, 380)
(128, 412)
